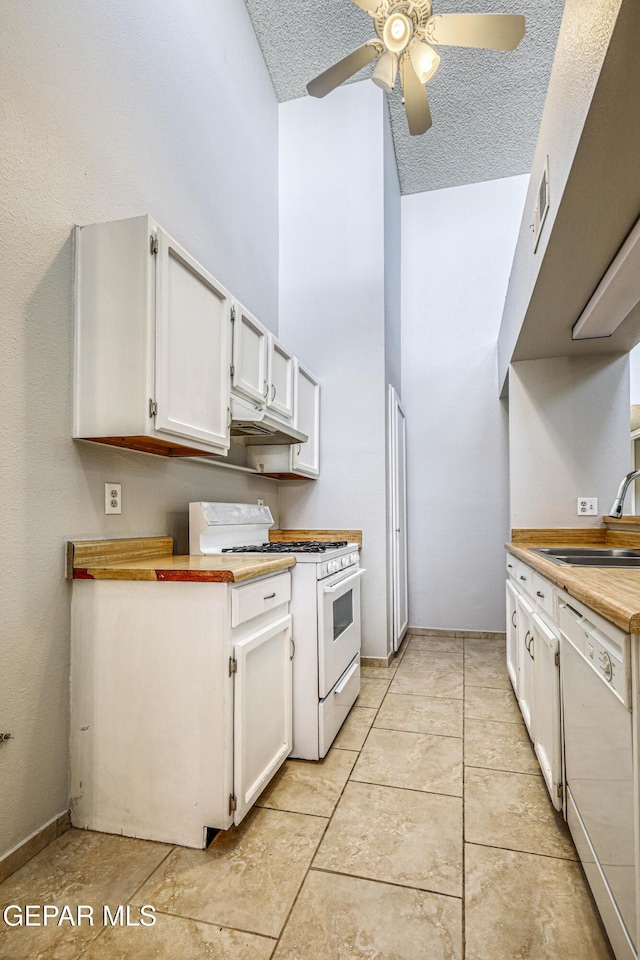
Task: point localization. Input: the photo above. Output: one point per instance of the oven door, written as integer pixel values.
(338, 626)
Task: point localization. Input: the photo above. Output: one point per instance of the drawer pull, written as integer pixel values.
(522, 577)
(269, 596)
(539, 593)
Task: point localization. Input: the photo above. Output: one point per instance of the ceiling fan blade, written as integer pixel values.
(341, 71)
(369, 6)
(416, 101)
(492, 31)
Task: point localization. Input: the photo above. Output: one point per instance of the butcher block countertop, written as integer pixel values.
(152, 558)
(613, 592)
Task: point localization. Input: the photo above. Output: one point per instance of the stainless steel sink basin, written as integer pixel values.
(590, 556)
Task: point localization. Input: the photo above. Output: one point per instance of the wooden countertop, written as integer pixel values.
(152, 558)
(613, 592)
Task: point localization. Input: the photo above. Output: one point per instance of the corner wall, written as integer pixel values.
(332, 314)
(457, 249)
(107, 110)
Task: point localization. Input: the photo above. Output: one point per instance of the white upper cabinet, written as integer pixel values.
(280, 398)
(249, 356)
(297, 459)
(152, 343)
(306, 456)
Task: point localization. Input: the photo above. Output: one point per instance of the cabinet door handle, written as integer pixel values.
(266, 390)
(526, 637)
(513, 618)
(273, 392)
(269, 596)
(293, 649)
(530, 648)
(539, 594)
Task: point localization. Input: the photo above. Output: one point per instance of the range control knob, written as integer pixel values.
(333, 566)
(346, 561)
(607, 667)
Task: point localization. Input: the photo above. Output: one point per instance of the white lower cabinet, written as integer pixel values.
(262, 711)
(178, 719)
(533, 657)
(525, 662)
(547, 737)
(512, 635)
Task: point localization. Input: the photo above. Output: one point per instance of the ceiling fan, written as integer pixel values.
(406, 30)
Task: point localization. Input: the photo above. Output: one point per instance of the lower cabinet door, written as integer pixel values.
(262, 711)
(512, 635)
(525, 662)
(546, 719)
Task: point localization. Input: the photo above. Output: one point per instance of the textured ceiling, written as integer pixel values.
(486, 105)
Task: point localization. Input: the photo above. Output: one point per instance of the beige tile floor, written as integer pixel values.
(425, 834)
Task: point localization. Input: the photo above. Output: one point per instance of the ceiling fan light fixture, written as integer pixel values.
(397, 32)
(386, 71)
(424, 59)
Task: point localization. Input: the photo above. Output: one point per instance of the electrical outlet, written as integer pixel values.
(587, 506)
(260, 502)
(113, 498)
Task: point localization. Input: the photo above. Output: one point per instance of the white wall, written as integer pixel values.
(457, 249)
(568, 438)
(107, 110)
(332, 313)
(634, 375)
(392, 262)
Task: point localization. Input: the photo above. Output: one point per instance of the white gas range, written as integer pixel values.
(325, 607)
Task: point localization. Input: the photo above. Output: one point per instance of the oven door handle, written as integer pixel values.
(341, 583)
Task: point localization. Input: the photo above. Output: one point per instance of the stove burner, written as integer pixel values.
(297, 546)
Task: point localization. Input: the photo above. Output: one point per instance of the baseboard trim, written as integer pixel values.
(33, 845)
(470, 634)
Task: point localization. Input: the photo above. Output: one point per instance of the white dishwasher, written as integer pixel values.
(598, 743)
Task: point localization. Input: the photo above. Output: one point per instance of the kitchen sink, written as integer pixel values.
(590, 556)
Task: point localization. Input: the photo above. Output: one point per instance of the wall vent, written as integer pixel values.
(542, 206)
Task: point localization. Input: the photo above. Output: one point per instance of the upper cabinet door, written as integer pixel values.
(193, 319)
(249, 363)
(306, 456)
(280, 396)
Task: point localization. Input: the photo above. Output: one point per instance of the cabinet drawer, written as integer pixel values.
(524, 576)
(544, 593)
(253, 599)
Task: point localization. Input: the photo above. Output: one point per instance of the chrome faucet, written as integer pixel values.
(616, 506)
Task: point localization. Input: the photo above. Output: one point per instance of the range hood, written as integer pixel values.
(258, 426)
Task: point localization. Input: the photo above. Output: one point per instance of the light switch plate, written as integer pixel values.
(587, 506)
